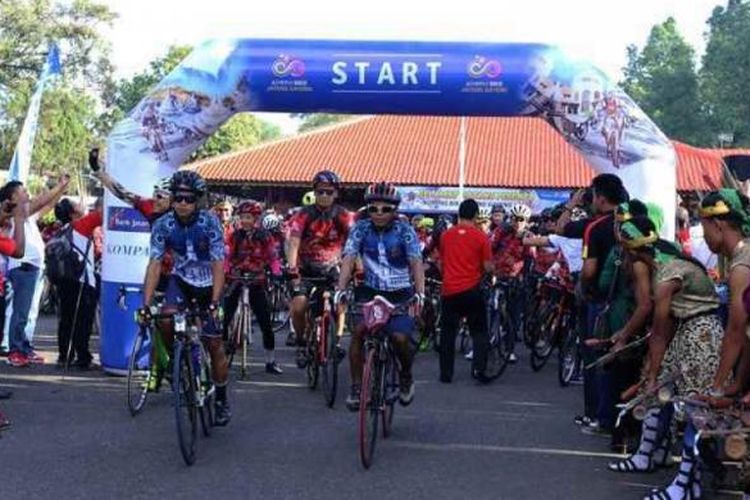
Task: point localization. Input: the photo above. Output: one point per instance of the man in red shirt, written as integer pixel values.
(465, 255)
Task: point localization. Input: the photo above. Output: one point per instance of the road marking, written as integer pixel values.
(283, 365)
(59, 379)
(503, 449)
(272, 384)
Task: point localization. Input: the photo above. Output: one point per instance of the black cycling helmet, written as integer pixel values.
(382, 191)
(188, 180)
(326, 177)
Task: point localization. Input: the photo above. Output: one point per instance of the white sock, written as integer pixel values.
(648, 439)
(641, 459)
(270, 356)
(678, 487)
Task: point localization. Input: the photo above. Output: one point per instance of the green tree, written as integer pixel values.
(662, 79)
(29, 26)
(67, 119)
(241, 131)
(312, 121)
(66, 130)
(129, 92)
(725, 74)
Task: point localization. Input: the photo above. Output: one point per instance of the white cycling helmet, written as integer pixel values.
(270, 222)
(578, 214)
(163, 185)
(484, 213)
(520, 210)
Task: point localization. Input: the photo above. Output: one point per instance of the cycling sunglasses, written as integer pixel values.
(520, 219)
(325, 192)
(387, 209)
(185, 198)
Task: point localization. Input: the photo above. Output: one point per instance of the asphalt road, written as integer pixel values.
(73, 438)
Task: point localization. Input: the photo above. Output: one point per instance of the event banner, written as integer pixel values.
(223, 77)
(441, 199)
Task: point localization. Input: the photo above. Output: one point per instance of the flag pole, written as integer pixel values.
(21, 162)
(462, 158)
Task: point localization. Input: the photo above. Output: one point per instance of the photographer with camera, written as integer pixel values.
(598, 238)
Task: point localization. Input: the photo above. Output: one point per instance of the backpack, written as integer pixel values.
(63, 260)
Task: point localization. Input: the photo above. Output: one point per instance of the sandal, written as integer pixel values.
(629, 466)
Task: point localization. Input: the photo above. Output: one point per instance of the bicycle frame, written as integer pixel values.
(241, 325)
(187, 332)
(376, 400)
(317, 331)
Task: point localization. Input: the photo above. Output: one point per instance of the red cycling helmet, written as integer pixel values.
(251, 207)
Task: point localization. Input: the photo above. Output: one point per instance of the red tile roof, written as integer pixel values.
(500, 152)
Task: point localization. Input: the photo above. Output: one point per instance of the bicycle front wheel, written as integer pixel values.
(185, 406)
(369, 408)
(207, 393)
(247, 325)
(465, 338)
(390, 386)
(313, 363)
(330, 361)
(279, 307)
(497, 355)
(569, 359)
(138, 376)
(542, 346)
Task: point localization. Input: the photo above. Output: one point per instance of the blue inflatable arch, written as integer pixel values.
(224, 77)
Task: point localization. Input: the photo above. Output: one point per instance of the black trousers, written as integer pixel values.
(470, 305)
(77, 334)
(259, 306)
(3, 305)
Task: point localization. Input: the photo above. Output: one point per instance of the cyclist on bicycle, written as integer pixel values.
(273, 224)
(253, 250)
(392, 261)
(194, 236)
(317, 234)
(497, 216)
(509, 255)
(484, 220)
(223, 211)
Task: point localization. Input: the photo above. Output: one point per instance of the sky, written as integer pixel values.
(599, 30)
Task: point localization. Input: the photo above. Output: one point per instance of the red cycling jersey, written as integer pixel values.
(322, 235)
(508, 252)
(545, 258)
(252, 251)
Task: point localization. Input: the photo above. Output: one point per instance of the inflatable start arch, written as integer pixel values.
(224, 77)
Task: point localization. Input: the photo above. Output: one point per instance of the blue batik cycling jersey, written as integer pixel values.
(385, 253)
(194, 246)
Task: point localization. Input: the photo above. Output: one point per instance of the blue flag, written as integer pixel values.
(21, 162)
